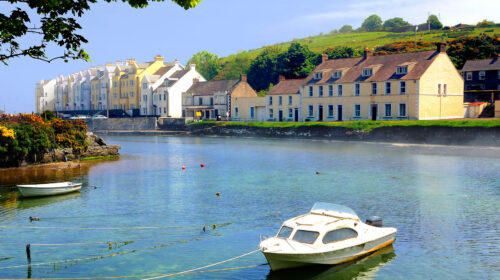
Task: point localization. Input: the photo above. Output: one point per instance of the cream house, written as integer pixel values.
(419, 86)
(283, 100)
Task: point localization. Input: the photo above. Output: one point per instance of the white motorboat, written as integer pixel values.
(48, 189)
(329, 234)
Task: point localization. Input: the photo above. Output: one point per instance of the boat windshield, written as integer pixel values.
(334, 210)
(285, 232)
(305, 236)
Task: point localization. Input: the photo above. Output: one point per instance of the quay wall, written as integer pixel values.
(123, 124)
(478, 136)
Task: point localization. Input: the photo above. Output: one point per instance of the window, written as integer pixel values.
(252, 112)
(330, 111)
(330, 90)
(290, 113)
(132, 106)
(200, 101)
(374, 88)
(311, 91)
(212, 102)
(285, 232)
(402, 70)
(165, 96)
(290, 100)
(482, 75)
(439, 89)
(320, 91)
(115, 84)
(387, 88)
(310, 110)
(339, 90)
(236, 112)
(468, 76)
(280, 100)
(115, 107)
(402, 87)
(144, 85)
(387, 110)
(160, 97)
(357, 89)
(357, 110)
(339, 235)
(131, 94)
(318, 76)
(131, 83)
(271, 114)
(144, 98)
(337, 74)
(402, 110)
(115, 95)
(367, 72)
(445, 87)
(305, 236)
(270, 100)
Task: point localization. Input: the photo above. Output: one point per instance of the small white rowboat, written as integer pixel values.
(48, 189)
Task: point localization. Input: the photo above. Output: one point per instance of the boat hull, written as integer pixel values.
(279, 261)
(27, 191)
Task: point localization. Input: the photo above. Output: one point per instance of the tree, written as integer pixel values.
(372, 23)
(263, 70)
(57, 26)
(479, 47)
(485, 22)
(394, 22)
(297, 62)
(434, 22)
(207, 64)
(346, 28)
(342, 52)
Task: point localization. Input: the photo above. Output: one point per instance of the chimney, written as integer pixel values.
(243, 77)
(176, 61)
(196, 80)
(281, 78)
(367, 53)
(324, 58)
(192, 66)
(441, 47)
(159, 58)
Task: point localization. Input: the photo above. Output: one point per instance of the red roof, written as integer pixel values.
(291, 86)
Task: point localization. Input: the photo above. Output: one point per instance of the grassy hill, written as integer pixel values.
(239, 63)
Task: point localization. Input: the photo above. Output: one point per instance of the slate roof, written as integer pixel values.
(162, 70)
(99, 76)
(482, 64)
(178, 74)
(291, 86)
(211, 87)
(384, 67)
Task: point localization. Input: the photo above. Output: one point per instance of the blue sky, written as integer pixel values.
(116, 31)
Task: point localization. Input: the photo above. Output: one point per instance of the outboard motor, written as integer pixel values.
(375, 221)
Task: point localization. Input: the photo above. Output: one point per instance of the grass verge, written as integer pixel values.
(110, 157)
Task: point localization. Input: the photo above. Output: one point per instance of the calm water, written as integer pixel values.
(445, 202)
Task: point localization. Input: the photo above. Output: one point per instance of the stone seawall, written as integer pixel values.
(398, 134)
(139, 123)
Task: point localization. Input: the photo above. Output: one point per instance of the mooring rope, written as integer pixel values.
(138, 276)
(202, 267)
(114, 228)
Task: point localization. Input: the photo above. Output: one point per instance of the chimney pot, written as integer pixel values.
(324, 58)
(243, 77)
(441, 47)
(192, 66)
(281, 78)
(367, 53)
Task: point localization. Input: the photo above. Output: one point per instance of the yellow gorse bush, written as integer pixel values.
(7, 133)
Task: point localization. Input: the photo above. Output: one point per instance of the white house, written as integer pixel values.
(45, 95)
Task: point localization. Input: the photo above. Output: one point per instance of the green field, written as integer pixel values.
(363, 125)
(359, 40)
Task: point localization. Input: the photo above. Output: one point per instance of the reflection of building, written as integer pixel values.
(482, 79)
(213, 99)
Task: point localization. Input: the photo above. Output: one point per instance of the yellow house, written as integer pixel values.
(248, 108)
(419, 86)
(95, 90)
(283, 100)
(120, 70)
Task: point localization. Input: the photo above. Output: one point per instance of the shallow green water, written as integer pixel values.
(445, 202)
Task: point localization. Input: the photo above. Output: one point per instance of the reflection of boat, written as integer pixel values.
(365, 267)
(46, 200)
(328, 234)
(48, 189)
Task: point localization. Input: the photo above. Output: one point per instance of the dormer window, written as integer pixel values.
(318, 76)
(337, 74)
(367, 72)
(402, 70)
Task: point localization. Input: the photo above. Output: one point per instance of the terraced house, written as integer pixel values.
(418, 86)
(283, 100)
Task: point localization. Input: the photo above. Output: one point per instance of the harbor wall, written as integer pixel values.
(124, 124)
(397, 134)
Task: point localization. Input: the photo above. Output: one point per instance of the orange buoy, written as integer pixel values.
(202, 165)
(183, 167)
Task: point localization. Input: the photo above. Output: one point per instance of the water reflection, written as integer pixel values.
(29, 202)
(364, 268)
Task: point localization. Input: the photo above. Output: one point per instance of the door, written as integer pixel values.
(207, 114)
(217, 114)
(339, 112)
(296, 114)
(320, 113)
(374, 112)
(280, 115)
